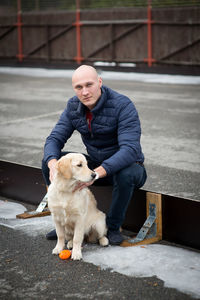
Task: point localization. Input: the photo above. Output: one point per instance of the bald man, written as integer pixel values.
(110, 129)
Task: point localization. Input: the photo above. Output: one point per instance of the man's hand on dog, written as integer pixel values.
(52, 168)
(82, 185)
(100, 171)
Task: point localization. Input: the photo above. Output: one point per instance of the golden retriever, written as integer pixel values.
(75, 213)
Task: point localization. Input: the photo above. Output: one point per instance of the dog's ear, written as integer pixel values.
(64, 167)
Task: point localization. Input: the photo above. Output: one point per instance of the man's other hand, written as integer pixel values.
(52, 169)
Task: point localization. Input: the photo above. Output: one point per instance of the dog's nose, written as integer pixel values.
(93, 175)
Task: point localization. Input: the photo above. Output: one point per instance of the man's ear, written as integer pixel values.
(64, 167)
(100, 81)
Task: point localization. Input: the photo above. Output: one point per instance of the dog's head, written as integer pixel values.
(74, 166)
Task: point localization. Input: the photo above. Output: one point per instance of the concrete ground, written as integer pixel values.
(169, 113)
(29, 108)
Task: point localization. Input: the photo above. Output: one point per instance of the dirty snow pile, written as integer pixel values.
(178, 268)
(32, 226)
(106, 75)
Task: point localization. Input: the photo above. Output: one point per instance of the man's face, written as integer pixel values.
(87, 86)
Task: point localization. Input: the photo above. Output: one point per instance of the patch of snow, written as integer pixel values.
(32, 226)
(131, 76)
(9, 210)
(177, 267)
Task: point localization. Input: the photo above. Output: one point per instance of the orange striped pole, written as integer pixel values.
(78, 24)
(149, 59)
(19, 31)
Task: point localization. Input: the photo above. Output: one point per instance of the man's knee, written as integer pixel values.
(124, 177)
(132, 175)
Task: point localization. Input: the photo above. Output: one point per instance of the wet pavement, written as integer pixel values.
(169, 113)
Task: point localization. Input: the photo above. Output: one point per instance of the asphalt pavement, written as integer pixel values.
(28, 270)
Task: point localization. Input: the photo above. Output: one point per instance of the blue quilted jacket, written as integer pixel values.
(114, 139)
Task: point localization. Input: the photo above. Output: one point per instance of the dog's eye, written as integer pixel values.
(79, 165)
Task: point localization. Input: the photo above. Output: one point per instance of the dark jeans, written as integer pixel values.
(124, 183)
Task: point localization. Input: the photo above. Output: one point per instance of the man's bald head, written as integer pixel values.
(87, 85)
(84, 70)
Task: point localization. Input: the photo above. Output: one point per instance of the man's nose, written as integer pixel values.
(85, 91)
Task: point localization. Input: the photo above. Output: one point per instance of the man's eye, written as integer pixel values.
(79, 165)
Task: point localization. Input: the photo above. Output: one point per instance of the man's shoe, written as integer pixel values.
(114, 237)
(51, 235)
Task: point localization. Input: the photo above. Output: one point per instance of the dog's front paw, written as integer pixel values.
(57, 250)
(76, 255)
(103, 241)
(70, 244)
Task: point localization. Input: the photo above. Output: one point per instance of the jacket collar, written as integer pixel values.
(81, 108)
(101, 100)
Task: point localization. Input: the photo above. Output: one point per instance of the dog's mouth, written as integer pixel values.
(92, 177)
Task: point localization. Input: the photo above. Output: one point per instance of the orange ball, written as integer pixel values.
(65, 254)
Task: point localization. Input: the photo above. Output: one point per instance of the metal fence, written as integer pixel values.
(141, 32)
(52, 5)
